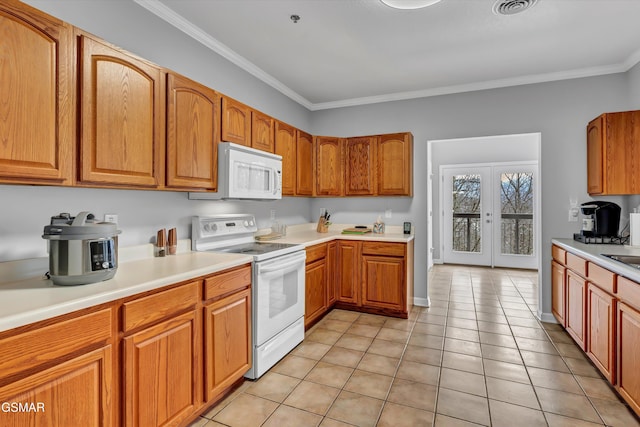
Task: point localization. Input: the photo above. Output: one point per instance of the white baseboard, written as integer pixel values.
(546, 317)
(438, 261)
(422, 302)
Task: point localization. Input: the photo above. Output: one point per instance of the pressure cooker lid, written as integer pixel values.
(81, 227)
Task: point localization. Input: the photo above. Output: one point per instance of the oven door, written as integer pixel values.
(278, 294)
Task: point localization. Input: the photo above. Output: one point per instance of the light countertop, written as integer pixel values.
(306, 234)
(593, 252)
(27, 297)
(33, 299)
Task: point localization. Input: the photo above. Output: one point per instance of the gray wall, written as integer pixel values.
(560, 111)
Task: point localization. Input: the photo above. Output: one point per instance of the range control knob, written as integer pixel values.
(251, 223)
(105, 265)
(214, 227)
(207, 227)
(246, 223)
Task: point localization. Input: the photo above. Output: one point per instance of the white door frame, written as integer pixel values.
(490, 205)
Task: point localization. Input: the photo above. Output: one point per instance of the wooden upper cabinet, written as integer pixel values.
(37, 117)
(304, 164)
(236, 122)
(285, 146)
(361, 166)
(193, 133)
(595, 156)
(395, 160)
(122, 116)
(613, 154)
(329, 176)
(262, 136)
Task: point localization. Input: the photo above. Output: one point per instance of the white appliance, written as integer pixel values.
(246, 173)
(277, 288)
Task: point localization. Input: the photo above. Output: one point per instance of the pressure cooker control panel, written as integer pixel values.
(103, 254)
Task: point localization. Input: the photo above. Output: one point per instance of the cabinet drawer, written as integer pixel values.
(149, 309)
(602, 277)
(383, 248)
(43, 345)
(559, 254)
(227, 282)
(577, 264)
(629, 292)
(316, 252)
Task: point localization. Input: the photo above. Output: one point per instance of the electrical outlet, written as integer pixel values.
(387, 213)
(573, 214)
(111, 218)
(273, 214)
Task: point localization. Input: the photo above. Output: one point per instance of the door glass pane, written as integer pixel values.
(466, 213)
(516, 216)
(283, 293)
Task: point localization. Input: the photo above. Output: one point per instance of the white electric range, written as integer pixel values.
(278, 285)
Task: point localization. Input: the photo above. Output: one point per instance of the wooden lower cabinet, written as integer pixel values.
(315, 291)
(576, 307)
(78, 392)
(154, 359)
(332, 273)
(227, 331)
(375, 277)
(162, 372)
(558, 292)
(383, 282)
(600, 337)
(66, 365)
(349, 255)
(628, 348)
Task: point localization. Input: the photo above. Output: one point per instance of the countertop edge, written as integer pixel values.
(103, 296)
(592, 252)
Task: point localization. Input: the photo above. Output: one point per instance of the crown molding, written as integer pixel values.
(170, 16)
(167, 14)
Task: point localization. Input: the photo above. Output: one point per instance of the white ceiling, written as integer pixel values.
(351, 52)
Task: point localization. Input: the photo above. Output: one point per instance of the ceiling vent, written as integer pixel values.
(512, 7)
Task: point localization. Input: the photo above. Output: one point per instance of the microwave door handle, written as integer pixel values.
(275, 180)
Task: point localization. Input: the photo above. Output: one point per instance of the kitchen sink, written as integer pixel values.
(630, 260)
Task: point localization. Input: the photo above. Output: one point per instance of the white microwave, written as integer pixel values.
(246, 173)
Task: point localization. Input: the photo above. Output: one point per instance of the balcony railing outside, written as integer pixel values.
(516, 232)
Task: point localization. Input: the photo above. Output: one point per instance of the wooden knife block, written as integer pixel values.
(322, 225)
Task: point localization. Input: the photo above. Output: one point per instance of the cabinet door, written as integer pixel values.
(600, 330)
(227, 342)
(576, 307)
(122, 118)
(628, 335)
(315, 291)
(78, 392)
(162, 372)
(595, 156)
(349, 284)
(383, 284)
(361, 166)
(329, 174)
(395, 160)
(622, 162)
(558, 292)
(262, 131)
(236, 122)
(193, 132)
(37, 116)
(332, 270)
(304, 164)
(286, 147)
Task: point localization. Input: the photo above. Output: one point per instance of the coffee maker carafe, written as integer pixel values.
(602, 219)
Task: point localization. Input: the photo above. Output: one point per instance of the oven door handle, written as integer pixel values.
(279, 268)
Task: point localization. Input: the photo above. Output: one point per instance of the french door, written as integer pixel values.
(489, 215)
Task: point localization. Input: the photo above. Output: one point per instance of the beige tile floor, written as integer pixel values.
(477, 356)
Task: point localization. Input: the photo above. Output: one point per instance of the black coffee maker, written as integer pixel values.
(602, 219)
